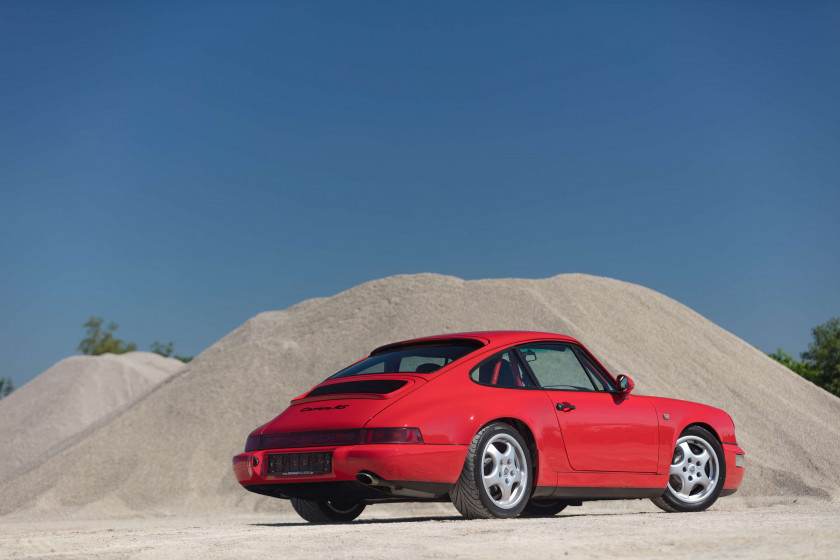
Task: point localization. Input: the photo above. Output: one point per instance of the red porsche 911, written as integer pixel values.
(501, 424)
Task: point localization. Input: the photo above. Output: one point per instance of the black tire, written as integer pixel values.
(509, 462)
(327, 511)
(543, 508)
(697, 473)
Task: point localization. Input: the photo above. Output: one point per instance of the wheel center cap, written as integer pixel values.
(691, 468)
(505, 471)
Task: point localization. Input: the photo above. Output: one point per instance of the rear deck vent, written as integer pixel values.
(377, 386)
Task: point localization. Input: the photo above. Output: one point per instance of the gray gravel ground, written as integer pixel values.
(777, 531)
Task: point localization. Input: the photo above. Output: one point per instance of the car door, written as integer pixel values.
(510, 391)
(601, 430)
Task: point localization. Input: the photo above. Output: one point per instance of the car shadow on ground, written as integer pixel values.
(366, 521)
(425, 519)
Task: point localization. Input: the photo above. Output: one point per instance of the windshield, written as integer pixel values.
(419, 359)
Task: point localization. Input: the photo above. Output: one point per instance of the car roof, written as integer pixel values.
(487, 338)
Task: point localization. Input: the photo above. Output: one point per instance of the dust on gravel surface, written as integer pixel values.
(777, 531)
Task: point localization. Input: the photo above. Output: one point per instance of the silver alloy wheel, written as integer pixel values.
(694, 470)
(503, 474)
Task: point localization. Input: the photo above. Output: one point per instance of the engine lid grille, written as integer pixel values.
(372, 386)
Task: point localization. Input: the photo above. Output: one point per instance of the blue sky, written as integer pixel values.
(180, 167)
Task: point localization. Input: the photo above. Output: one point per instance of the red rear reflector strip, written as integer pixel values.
(323, 438)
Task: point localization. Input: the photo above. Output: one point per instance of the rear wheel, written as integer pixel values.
(543, 508)
(327, 511)
(496, 479)
(697, 474)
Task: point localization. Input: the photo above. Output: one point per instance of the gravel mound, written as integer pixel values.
(49, 412)
(171, 451)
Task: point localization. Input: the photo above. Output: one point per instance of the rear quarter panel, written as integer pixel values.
(451, 409)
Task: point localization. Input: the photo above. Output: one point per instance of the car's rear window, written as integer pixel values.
(416, 359)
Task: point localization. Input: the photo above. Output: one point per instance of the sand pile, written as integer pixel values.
(171, 451)
(51, 411)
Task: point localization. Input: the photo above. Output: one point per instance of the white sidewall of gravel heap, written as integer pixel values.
(69, 398)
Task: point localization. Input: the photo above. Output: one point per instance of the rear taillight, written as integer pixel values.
(392, 435)
(252, 443)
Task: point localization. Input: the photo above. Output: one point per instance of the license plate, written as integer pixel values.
(300, 463)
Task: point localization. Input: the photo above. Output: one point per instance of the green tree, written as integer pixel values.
(102, 341)
(823, 355)
(821, 363)
(6, 386)
(166, 350)
(801, 368)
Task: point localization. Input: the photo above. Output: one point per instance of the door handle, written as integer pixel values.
(565, 407)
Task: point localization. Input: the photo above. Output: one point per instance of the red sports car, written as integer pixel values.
(499, 423)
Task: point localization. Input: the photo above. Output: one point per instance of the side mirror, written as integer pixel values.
(625, 385)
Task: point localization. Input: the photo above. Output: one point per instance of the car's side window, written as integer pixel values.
(502, 370)
(598, 377)
(422, 364)
(557, 367)
(375, 368)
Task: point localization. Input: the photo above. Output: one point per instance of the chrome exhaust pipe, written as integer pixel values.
(368, 479)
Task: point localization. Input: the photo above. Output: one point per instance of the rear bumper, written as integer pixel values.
(734, 457)
(408, 470)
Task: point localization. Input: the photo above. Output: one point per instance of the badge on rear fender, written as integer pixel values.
(336, 407)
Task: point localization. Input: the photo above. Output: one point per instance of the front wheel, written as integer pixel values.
(496, 479)
(327, 511)
(697, 473)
